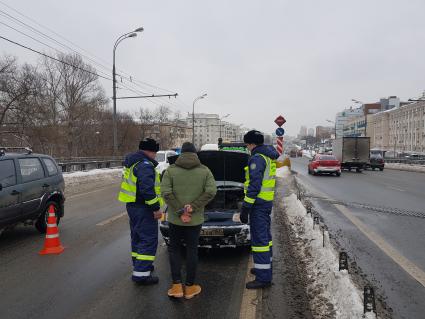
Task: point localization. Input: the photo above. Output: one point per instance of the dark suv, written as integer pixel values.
(29, 184)
(376, 161)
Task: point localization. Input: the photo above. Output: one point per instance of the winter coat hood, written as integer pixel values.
(188, 160)
(138, 156)
(266, 150)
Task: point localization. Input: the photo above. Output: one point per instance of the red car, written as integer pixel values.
(328, 164)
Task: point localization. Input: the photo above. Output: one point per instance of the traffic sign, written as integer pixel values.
(280, 131)
(280, 120)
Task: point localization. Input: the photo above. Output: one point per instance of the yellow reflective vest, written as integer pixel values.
(268, 183)
(128, 190)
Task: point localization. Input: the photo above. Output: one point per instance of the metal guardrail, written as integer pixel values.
(405, 161)
(84, 164)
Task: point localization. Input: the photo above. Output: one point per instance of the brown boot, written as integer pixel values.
(192, 291)
(176, 291)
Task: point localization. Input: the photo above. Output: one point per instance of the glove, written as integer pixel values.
(186, 217)
(244, 216)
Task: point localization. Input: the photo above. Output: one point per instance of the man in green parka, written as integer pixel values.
(187, 187)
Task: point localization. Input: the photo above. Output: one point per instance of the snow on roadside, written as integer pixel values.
(332, 293)
(76, 181)
(406, 167)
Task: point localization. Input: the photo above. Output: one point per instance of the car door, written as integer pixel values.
(10, 208)
(33, 184)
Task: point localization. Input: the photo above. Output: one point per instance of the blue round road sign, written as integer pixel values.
(280, 131)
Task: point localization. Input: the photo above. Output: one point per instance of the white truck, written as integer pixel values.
(352, 152)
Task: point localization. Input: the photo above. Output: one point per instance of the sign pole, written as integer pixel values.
(280, 120)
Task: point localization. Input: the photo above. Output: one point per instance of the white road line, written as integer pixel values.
(251, 298)
(397, 189)
(112, 219)
(409, 267)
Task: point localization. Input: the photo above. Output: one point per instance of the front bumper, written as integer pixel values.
(230, 236)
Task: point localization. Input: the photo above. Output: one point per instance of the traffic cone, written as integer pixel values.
(52, 244)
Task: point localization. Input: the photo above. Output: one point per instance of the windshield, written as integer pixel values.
(328, 158)
(160, 157)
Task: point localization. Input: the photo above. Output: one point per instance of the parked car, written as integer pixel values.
(376, 161)
(162, 159)
(222, 227)
(328, 164)
(29, 184)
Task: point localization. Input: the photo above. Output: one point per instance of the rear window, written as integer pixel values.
(51, 166)
(31, 169)
(7, 173)
(327, 158)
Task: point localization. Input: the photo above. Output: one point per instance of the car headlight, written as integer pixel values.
(236, 217)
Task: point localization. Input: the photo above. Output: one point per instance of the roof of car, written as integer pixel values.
(10, 155)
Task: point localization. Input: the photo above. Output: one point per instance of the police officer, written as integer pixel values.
(140, 190)
(260, 179)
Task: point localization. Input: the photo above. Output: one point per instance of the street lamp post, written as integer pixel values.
(193, 116)
(127, 35)
(334, 124)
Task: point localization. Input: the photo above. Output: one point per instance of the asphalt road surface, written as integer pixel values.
(386, 248)
(91, 279)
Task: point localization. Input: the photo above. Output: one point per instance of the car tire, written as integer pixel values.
(338, 174)
(381, 169)
(358, 170)
(309, 172)
(373, 168)
(41, 222)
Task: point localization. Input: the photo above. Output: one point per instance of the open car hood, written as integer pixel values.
(224, 165)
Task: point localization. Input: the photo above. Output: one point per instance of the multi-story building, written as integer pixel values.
(407, 128)
(168, 135)
(303, 131)
(310, 132)
(342, 118)
(324, 132)
(400, 129)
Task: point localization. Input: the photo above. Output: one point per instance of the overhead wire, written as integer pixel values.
(128, 78)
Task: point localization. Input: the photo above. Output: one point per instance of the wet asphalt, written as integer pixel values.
(400, 294)
(91, 279)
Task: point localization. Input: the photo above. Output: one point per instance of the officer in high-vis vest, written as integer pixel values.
(140, 190)
(260, 181)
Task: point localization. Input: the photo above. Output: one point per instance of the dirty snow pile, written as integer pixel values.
(332, 293)
(406, 167)
(104, 176)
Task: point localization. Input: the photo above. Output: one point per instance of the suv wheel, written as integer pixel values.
(41, 223)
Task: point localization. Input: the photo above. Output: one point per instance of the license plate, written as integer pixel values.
(212, 232)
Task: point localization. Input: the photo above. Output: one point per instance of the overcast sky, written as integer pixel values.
(305, 60)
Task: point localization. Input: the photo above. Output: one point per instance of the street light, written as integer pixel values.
(334, 124)
(193, 116)
(127, 35)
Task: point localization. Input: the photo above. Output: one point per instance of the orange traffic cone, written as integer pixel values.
(52, 244)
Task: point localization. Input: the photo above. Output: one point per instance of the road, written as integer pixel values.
(387, 248)
(91, 279)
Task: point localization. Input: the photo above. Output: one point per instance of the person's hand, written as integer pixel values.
(244, 216)
(188, 208)
(157, 214)
(186, 217)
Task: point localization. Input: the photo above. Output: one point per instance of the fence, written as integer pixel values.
(88, 163)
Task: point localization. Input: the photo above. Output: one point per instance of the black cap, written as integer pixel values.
(188, 147)
(149, 144)
(254, 137)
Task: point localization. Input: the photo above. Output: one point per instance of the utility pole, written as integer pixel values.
(193, 116)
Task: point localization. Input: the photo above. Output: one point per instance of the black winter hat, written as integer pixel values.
(149, 144)
(188, 147)
(254, 137)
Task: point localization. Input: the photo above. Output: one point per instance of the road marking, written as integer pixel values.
(112, 219)
(251, 297)
(397, 189)
(409, 267)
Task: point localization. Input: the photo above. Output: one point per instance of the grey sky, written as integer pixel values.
(305, 60)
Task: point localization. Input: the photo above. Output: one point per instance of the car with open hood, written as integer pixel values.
(222, 226)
